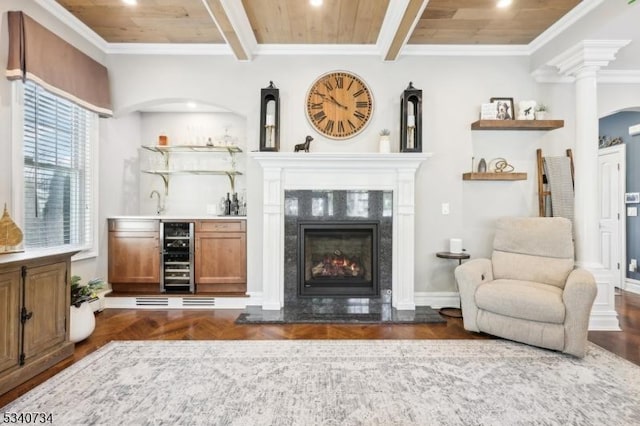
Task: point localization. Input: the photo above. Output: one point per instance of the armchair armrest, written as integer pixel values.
(468, 277)
(578, 296)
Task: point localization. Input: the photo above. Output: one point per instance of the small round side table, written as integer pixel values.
(452, 312)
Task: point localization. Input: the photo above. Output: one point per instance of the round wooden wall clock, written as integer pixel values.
(339, 104)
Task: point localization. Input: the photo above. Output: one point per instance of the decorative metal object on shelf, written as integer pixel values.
(304, 146)
(10, 234)
(411, 120)
(270, 118)
(500, 165)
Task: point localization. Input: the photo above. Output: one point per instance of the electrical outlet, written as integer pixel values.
(632, 211)
(445, 208)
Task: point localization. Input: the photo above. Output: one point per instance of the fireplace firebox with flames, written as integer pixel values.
(338, 258)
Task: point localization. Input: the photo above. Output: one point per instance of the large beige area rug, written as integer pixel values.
(339, 382)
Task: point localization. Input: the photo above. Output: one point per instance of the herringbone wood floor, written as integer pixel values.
(126, 324)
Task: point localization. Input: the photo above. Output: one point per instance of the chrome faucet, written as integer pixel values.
(160, 206)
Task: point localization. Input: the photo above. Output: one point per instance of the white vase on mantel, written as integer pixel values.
(541, 115)
(384, 145)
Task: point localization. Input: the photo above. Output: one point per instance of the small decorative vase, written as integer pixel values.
(540, 115)
(82, 322)
(482, 166)
(385, 145)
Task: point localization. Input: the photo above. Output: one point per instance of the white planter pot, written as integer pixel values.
(541, 115)
(82, 322)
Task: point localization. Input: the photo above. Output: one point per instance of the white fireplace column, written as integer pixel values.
(582, 62)
(339, 171)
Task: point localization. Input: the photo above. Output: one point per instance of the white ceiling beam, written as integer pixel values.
(399, 22)
(233, 23)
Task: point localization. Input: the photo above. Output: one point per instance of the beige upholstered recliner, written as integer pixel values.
(529, 291)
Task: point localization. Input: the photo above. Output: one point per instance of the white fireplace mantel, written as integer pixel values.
(339, 171)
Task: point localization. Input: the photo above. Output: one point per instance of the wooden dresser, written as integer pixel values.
(34, 314)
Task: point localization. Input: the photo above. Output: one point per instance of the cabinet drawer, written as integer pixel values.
(134, 225)
(220, 226)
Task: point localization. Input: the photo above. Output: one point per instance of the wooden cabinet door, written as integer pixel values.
(47, 294)
(221, 261)
(9, 319)
(134, 257)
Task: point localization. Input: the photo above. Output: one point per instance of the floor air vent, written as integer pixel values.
(152, 301)
(199, 301)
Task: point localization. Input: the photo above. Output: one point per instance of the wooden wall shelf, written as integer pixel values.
(517, 124)
(494, 176)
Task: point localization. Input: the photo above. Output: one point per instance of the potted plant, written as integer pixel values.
(385, 145)
(82, 320)
(541, 111)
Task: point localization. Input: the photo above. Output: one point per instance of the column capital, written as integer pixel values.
(588, 55)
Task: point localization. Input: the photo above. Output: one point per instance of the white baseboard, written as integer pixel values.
(176, 302)
(604, 321)
(632, 285)
(437, 299)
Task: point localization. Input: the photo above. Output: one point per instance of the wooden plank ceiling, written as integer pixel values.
(335, 22)
(481, 22)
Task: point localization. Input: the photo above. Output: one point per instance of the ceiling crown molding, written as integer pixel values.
(587, 53)
(465, 50)
(168, 49)
(318, 49)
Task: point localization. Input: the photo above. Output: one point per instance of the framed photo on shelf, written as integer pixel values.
(505, 110)
(632, 198)
(489, 111)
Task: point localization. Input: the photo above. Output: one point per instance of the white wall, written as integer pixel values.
(453, 89)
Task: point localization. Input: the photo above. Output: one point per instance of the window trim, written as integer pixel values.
(17, 174)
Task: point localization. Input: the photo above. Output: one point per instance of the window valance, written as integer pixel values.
(35, 53)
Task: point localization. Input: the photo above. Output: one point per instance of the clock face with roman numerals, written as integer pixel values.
(339, 105)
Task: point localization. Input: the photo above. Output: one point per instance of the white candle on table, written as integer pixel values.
(411, 121)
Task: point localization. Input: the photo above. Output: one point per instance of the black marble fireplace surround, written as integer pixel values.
(341, 208)
(337, 209)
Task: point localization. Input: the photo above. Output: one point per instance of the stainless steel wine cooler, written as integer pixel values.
(176, 261)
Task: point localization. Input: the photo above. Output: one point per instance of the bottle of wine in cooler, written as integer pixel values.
(227, 205)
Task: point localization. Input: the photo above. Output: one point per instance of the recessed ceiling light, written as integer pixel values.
(192, 105)
(504, 3)
(130, 2)
(316, 3)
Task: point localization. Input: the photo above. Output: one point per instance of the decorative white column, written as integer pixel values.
(582, 62)
(272, 239)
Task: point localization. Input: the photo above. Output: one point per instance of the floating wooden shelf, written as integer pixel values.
(517, 124)
(494, 176)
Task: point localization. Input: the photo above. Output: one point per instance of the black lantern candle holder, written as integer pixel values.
(411, 120)
(270, 118)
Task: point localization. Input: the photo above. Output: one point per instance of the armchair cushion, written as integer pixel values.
(522, 299)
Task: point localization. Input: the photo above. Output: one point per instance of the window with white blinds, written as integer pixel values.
(57, 170)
